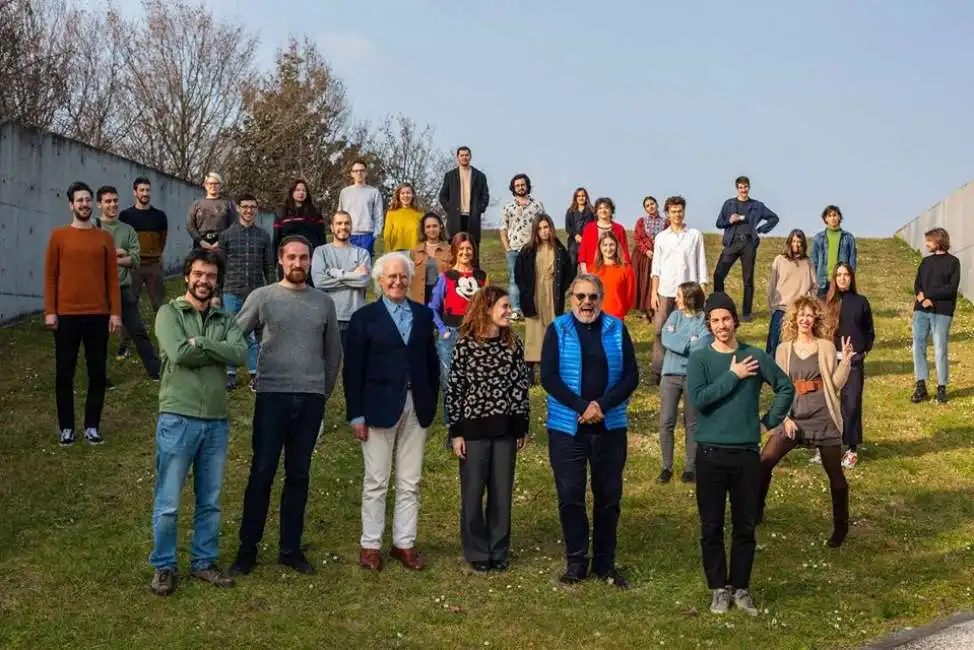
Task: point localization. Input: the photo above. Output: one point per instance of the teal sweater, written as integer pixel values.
(727, 406)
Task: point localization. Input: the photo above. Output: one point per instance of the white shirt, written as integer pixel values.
(678, 257)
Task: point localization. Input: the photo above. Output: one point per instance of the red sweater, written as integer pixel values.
(620, 289)
(81, 273)
(590, 243)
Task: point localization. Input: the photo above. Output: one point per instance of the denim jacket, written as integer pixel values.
(820, 255)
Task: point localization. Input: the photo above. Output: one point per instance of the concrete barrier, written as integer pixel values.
(955, 214)
(36, 168)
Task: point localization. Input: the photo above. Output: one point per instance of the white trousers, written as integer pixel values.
(408, 441)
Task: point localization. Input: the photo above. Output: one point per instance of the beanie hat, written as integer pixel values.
(720, 300)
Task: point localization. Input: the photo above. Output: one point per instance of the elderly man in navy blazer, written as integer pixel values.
(392, 380)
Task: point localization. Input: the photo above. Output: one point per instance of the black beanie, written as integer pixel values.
(720, 300)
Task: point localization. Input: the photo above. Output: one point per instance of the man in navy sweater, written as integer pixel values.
(742, 219)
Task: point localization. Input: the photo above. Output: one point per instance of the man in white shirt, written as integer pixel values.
(364, 204)
(678, 257)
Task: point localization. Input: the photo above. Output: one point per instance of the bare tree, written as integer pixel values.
(184, 75)
(407, 154)
(295, 125)
(33, 60)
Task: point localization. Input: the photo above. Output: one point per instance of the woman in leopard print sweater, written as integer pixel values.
(487, 404)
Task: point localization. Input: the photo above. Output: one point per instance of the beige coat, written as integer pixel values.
(834, 375)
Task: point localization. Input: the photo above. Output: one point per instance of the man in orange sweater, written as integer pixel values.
(82, 304)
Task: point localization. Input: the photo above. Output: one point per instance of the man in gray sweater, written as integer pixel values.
(341, 269)
(364, 204)
(299, 361)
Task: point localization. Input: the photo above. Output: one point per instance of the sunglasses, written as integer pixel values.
(580, 297)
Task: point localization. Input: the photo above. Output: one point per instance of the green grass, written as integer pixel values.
(75, 525)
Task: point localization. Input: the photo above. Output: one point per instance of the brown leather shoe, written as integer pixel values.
(370, 558)
(410, 558)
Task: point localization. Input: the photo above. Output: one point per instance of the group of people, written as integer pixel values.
(292, 308)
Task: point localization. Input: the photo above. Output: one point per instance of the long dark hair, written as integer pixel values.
(803, 253)
(572, 207)
(307, 208)
(422, 226)
(535, 242)
(833, 299)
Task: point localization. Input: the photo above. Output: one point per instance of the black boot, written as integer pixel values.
(941, 395)
(533, 374)
(920, 393)
(840, 517)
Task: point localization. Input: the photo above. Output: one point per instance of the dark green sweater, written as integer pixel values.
(727, 406)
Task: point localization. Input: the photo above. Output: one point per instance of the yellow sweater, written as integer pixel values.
(401, 231)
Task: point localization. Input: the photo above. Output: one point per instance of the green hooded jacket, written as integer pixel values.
(194, 375)
(127, 239)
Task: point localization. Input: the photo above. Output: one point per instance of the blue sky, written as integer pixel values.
(865, 104)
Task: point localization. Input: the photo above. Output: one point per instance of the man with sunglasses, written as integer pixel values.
(589, 370)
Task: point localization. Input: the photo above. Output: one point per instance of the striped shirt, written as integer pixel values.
(249, 256)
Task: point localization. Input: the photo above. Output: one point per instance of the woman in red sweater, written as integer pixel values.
(592, 233)
(617, 277)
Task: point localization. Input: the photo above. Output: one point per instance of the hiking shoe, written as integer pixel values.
(92, 437)
(920, 393)
(720, 602)
(664, 476)
(213, 575)
(573, 574)
(231, 383)
(163, 582)
(744, 600)
(816, 458)
(480, 567)
(298, 562)
(615, 579)
(66, 437)
(849, 459)
(243, 564)
(941, 397)
(252, 384)
(689, 477)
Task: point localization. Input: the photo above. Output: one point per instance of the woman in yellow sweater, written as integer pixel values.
(401, 231)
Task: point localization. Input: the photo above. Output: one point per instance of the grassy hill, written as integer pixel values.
(75, 524)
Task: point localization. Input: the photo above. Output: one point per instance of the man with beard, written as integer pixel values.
(197, 342)
(465, 196)
(152, 227)
(517, 222)
(127, 256)
(589, 370)
(300, 356)
(724, 383)
(82, 305)
(341, 269)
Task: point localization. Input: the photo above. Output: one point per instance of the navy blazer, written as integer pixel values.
(379, 367)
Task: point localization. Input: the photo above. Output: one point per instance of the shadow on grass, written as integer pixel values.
(907, 341)
(943, 440)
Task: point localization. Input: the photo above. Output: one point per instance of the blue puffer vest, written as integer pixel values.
(560, 417)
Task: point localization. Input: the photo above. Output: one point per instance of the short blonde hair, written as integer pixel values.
(214, 176)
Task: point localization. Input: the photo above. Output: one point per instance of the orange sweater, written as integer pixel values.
(81, 274)
(620, 289)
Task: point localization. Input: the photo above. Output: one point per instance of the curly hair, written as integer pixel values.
(477, 320)
(822, 329)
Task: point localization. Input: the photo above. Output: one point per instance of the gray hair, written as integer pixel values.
(591, 279)
(379, 268)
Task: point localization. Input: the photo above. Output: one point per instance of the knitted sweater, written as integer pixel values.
(790, 279)
(487, 394)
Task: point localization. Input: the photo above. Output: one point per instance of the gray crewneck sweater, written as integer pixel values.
(300, 349)
(333, 271)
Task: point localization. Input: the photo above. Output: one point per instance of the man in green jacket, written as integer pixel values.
(127, 256)
(197, 341)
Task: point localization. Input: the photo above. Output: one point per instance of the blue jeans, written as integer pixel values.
(232, 304)
(774, 332)
(513, 294)
(444, 350)
(181, 443)
(924, 325)
(366, 241)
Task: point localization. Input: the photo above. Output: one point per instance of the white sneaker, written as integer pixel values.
(816, 459)
(721, 601)
(92, 437)
(744, 600)
(849, 459)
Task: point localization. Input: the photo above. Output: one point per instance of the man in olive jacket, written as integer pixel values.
(197, 342)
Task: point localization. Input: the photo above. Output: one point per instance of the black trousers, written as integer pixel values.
(852, 403)
(71, 333)
(743, 248)
(570, 457)
(135, 329)
(287, 421)
(486, 532)
(719, 471)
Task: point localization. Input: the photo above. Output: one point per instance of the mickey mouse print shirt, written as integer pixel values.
(452, 295)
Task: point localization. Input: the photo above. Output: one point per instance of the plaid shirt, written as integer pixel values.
(249, 256)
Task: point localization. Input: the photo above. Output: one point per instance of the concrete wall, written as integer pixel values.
(955, 214)
(36, 168)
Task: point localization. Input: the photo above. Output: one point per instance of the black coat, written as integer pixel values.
(575, 223)
(524, 277)
(450, 200)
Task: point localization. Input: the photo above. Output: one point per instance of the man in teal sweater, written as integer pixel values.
(724, 383)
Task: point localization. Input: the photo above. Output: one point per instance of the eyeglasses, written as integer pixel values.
(358, 171)
(580, 297)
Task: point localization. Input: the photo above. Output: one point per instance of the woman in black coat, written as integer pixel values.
(578, 215)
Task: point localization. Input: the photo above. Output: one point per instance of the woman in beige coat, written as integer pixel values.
(808, 357)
